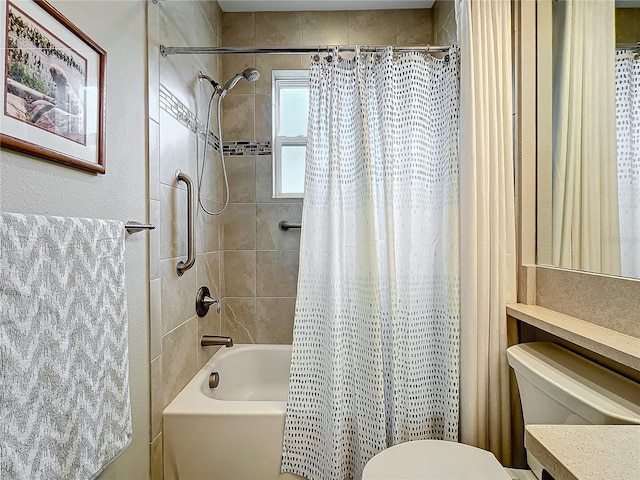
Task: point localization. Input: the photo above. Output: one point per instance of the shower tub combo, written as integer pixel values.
(233, 431)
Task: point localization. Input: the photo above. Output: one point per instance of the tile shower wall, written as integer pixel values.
(260, 262)
(627, 25)
(444, 22)
(177, 111)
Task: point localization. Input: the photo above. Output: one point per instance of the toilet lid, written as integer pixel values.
(434, 460)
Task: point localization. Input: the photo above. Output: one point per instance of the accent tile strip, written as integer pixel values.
(178, 110)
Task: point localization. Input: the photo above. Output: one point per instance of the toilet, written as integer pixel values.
(557, 387)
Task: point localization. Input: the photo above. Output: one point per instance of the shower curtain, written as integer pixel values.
(585, 200)
(375, 347)
(628, 152)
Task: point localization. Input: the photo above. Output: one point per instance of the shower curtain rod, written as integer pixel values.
(164, 50)
(628, 46)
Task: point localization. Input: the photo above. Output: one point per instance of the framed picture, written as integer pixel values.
(53, 87)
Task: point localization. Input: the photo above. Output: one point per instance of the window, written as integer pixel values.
(290, 93)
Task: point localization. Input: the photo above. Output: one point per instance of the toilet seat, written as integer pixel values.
(434, 460)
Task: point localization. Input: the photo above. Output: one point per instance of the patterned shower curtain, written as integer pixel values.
(376, 335)
(628, 153)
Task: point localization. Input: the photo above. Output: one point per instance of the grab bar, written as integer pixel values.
(191, 225)
(284, 225)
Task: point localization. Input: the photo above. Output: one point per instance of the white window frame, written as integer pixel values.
(284, 79)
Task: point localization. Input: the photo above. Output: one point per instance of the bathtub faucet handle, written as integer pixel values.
(204, 301)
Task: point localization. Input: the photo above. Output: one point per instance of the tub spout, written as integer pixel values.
(213, 340)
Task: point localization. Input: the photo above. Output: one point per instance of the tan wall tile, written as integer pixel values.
(626, 25)
(208, 227)
(188, 21)
(238, 29)
(269, 235)
(444, 22)
(276, 273)
(178, 295)
(267, 63)
(210, 188)
(241, 171)
(238, 117)
(178, 150)
(173, 222)
(371, 27)
(212, 13)
(156, 397)
(179, 359)
(239, 273)
(154, 160)
(413, 27)
(155, 318)
(263, 117)
(325, 28)
(233, 64)
(264, 182)
(278, 28)
(154, 239)
(208, 273)
(239, 319)
(153, 55)
(238, 227)
(274, 320)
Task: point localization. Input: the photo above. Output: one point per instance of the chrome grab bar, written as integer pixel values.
(284, 225)
(191, 224)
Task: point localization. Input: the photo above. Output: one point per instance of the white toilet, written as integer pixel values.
(557, 387)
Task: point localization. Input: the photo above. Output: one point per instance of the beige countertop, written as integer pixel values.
(586, 452)
(617, 346)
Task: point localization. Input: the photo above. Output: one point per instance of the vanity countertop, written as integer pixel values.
(586, 452)
(617, 346)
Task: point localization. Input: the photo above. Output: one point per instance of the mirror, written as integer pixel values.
(588, 172)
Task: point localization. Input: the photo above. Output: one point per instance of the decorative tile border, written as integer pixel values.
(247, 148)
(178, 110)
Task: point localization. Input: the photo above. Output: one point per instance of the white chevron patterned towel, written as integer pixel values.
(64, 389)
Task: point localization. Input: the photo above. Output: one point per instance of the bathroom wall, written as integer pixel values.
(31, 185)
(260, 262)
(444, 23)
(627, 25)
(177, 114)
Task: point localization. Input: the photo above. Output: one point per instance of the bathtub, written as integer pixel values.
(234, 431)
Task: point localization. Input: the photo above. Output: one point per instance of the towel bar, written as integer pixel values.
(134, 227)
(284, 225)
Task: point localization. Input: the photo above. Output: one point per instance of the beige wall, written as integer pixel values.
(177, 107)
(627, 25)
(260, 262)
(444, 22)
(30, 185)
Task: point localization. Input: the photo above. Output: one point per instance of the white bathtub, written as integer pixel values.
(234, 431)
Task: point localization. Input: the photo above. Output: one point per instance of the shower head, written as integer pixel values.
(214, 84)
(249, 74)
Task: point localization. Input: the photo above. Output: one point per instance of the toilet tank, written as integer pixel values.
(559, 387)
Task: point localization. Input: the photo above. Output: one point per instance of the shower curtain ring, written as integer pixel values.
(329, 56)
